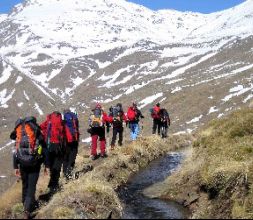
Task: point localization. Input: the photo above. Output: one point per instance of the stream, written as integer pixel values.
(137, 206)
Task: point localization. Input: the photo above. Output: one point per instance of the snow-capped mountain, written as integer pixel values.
(56, 54)
(3, 17)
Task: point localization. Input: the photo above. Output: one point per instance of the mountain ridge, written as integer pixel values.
(111, 51)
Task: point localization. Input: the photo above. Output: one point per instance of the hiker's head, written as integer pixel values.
(98, 106)
(119, 105)
(66, 110)
(158, 104)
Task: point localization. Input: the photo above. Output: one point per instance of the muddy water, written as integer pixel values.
(137, 206)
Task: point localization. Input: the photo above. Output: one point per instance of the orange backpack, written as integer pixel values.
(26, 141)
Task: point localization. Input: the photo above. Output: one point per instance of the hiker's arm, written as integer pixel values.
(78, 132)
(15, 161)
(89, 121)
(43, 144)
(16, 164)
(141, 115)
(43, 127)
(125, 118)
(41, 139)
(105, 118)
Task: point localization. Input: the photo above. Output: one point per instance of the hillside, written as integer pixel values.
(55, 54)
(216, 181)
(59, 54)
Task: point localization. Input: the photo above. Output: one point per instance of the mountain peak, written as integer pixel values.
(3, 17)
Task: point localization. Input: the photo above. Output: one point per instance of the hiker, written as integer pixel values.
(29, 154)
(165, 122)
(53, 131)
(133, 117)
(155, 114)
(97, 122)
(116, 118)
(71, 124)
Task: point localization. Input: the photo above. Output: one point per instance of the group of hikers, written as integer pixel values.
(55, 143)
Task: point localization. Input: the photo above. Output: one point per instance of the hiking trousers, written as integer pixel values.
(98, 133)
(117, 130)
(70, 158)
(29, 177)
(134, 130)
(156, 126)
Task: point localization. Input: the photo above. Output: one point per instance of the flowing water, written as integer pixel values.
(137, 206)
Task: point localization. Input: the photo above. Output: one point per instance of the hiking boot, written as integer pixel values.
(112, 147)
(27, 215)
(94, 157)
(120, 144)
(104, 155)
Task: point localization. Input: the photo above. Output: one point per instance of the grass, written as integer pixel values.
(220, 170)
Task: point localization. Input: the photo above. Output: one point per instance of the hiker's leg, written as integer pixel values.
(102, 141)
(154, 127)
(159, 126)
(166, 130)
(24, 178)
(73, 154)
(55, 172)
(114, 136)
(136, 131)
(30, 197)
(131, 126)
(94, 139)
(120, 130)
(66, 160)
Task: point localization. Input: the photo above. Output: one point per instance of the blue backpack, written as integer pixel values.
(72, 124)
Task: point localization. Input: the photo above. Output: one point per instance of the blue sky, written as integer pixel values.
(203, 6)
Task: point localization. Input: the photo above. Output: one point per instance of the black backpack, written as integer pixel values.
(164, 115)
(117, 113)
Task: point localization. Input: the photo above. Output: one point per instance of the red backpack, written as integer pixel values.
(55, 128)
(156, 112)
(131, 114)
